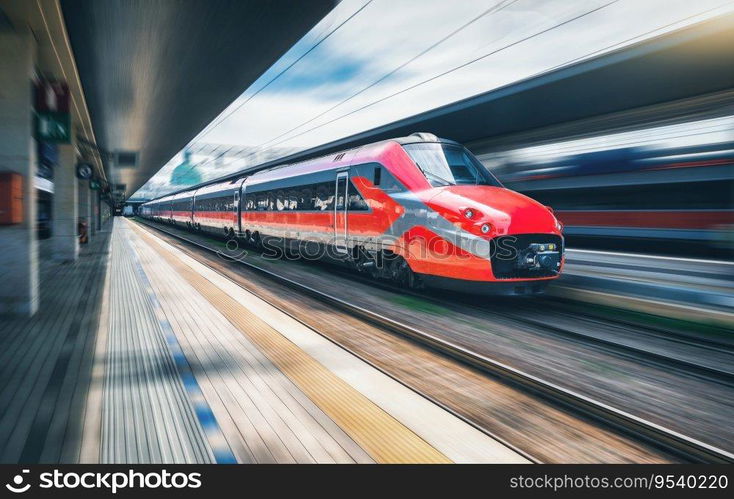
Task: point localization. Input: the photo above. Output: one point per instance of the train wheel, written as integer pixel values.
(403, 275)
(257, 242)
(364, 263)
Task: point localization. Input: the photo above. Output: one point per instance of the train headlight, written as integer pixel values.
(559, 225)
(469, 213)
(486, 228)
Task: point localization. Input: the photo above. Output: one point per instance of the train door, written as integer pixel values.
(240, 206)
(236, 209)
(193, 208)
(340, 212)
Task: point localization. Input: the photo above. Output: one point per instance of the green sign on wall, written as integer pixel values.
(53, 127)
(94, 185)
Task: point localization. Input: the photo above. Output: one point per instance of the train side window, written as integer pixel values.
(262, 201)
(320, 197)
(306, 199)
(377, 176)
(356, 201)
(291, 199)
(280, 201)
(329, 190)
(324, 196)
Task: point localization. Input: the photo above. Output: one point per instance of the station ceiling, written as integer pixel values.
(156, 72)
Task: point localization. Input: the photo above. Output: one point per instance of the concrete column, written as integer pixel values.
(85, 205)
(66, 209)
(18, 243)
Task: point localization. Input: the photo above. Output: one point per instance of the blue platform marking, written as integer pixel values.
(221, 450)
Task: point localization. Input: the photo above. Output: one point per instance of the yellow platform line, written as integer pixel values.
(384, 438)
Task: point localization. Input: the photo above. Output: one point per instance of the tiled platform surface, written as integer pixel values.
(46, 362)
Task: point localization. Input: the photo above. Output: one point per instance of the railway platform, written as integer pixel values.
(141, 354)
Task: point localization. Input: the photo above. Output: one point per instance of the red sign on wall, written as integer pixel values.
(52, 96)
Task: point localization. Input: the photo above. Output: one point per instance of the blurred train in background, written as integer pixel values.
(665, 189)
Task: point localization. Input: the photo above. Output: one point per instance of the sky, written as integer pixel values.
(371, 62)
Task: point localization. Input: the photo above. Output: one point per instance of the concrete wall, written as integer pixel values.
(18, 243)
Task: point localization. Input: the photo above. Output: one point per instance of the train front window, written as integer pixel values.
(446, 164)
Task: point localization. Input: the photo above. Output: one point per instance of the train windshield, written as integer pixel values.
(447, 164)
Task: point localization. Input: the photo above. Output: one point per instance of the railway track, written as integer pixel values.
(665, 439)
(709, 373)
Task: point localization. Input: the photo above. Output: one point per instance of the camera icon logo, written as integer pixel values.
(17, 486)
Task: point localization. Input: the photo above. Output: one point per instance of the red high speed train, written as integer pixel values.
(418, 210)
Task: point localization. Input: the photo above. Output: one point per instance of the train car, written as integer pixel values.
(161, 209)
(153, 210)
(216, 208)
(419, 210)
(147, 210)
(182, 209)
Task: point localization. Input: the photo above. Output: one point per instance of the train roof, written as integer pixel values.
(225, 185)
(418, 137)
(308, 156)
